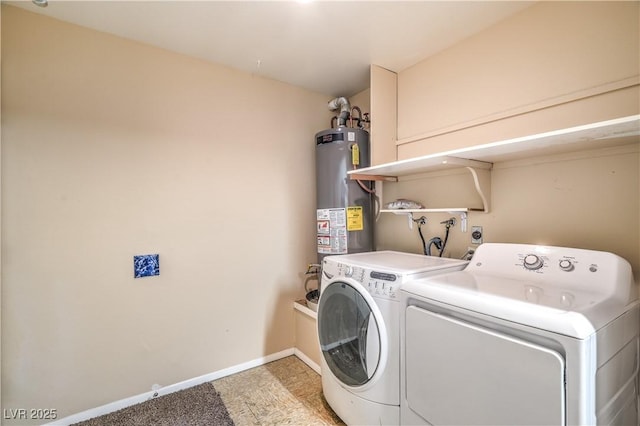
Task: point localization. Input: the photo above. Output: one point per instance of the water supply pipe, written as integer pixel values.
(359, 119)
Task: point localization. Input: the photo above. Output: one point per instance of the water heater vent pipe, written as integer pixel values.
(342, 104)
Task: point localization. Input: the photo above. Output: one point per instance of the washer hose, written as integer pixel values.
(435, 241)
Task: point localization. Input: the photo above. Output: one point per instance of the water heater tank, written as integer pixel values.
(344, 209)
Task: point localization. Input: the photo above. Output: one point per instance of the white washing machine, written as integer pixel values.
(359, 330)
(524, 335)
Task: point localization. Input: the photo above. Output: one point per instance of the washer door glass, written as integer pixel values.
(348, 332)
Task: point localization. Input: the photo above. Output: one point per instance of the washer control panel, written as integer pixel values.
(379, 284)
(382, 284)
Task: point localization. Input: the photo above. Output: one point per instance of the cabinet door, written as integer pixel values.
(383, 115)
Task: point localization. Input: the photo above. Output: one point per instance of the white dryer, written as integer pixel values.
(359, 330)
(525, 334)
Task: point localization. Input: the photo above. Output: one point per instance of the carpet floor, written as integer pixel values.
(282, 392)
(196, 406)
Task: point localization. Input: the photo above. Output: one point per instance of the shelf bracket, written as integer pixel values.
(463, 222)
(410, 219)
(409, 216)
(479, 187)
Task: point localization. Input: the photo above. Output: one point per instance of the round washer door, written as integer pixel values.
(352, 336)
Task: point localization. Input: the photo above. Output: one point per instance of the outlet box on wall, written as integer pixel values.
(476, 235)
(146, 265)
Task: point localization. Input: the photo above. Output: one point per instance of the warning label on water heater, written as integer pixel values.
(332, 231)
(354, 219)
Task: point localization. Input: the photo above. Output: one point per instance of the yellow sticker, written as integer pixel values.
(354, 219)
(355, 154)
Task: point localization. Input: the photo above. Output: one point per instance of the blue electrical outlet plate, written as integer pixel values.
(146, 265)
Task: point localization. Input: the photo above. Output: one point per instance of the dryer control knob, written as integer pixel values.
(566, 265)
(532, 262)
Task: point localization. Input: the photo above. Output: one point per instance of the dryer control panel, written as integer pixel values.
(585, 270)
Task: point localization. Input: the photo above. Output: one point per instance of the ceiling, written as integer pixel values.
(324, 46)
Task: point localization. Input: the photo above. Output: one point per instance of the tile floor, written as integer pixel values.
(286, 391)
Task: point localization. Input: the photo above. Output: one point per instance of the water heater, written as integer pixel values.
(344, 206)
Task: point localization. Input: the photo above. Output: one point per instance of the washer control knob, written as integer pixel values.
(348, 271)
(566, 265)
(532, 262)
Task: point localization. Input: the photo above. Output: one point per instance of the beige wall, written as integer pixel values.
(362, 100)
(111, 149)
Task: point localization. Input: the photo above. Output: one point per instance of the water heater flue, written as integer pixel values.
(341, 104)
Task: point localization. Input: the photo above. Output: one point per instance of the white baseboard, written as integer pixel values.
(315, 367)
(127, 402)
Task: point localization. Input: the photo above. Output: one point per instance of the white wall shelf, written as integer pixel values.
(603, 134)
(452, 210)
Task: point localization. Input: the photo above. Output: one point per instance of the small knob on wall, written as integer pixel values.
(533, 262)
